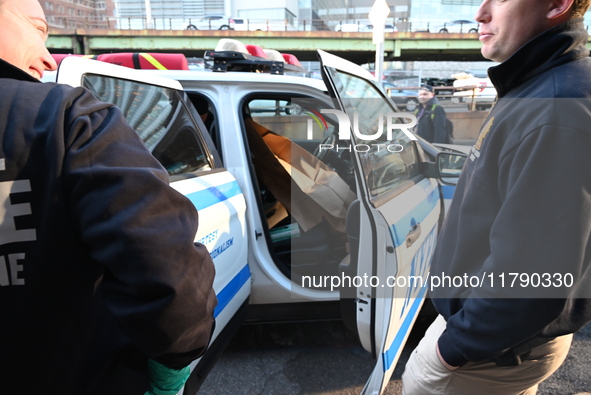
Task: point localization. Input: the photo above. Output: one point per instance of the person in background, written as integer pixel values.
(431, 118)
(102, 288)
(522, 207)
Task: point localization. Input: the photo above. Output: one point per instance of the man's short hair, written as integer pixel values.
(579, 7)
(429, 88)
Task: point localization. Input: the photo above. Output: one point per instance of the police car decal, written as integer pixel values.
(221, 206)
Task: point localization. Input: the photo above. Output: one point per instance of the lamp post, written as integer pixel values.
(377, 15)
(148, 14)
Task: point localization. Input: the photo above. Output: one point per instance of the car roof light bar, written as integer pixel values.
(291, 59)
(232, 55)
(272, 54)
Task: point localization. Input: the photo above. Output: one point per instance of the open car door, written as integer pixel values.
(161, 114)
(392, 227)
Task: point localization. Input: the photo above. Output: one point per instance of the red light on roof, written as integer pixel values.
(255, 50)
(162, 61)
(291, 59)
(147, 61)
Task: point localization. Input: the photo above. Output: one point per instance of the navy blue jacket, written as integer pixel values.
(523, 205)
(431, 122)
(98, 268)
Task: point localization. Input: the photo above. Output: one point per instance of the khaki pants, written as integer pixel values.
(426, 375)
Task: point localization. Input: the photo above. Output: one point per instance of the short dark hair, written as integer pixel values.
(580, 7)
(427, 88)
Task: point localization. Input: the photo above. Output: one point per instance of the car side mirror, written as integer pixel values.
(446, 168)
(449, 166)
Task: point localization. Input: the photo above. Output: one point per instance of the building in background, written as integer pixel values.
(167, 14)
(71, 14)
(433, 15)
(335, 14)
(275, 15)
(405, 16)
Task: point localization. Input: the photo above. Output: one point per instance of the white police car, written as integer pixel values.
(308, 205)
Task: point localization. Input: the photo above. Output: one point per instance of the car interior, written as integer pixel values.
(305, 230)
(304, 199)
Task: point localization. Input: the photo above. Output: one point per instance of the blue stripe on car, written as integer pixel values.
(448, 191)
(212, 195)
(390, 354)
(231, 289)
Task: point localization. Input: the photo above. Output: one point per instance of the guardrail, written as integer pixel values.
(473, 100)
(295, 24)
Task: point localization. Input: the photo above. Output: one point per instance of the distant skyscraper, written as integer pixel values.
(88, 14)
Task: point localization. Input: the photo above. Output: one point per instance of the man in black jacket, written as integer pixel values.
(519, 226)
(431, 118)
(102, 288)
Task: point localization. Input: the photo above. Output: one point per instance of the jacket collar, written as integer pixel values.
(559, 45)
(428, 104)
(7, 70)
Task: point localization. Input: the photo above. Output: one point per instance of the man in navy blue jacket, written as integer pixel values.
(519, 226)
(102, 289)
(431, 118)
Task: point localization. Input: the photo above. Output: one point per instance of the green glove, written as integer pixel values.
(164, 380)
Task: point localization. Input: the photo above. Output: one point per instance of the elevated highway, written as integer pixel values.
(356, 47)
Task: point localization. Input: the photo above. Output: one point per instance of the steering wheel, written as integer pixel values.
(320, 151)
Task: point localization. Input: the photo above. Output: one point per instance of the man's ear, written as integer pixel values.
(558, 8)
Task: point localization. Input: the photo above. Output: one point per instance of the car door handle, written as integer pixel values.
(413, 235)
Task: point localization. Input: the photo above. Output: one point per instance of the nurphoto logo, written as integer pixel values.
(392, 121)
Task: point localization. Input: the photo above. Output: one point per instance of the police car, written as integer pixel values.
(313, 197)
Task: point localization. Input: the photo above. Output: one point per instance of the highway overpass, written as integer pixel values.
(357, 47)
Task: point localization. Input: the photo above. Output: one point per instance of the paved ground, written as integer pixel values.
(324, 358)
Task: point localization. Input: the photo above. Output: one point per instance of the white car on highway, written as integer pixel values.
(457, 26)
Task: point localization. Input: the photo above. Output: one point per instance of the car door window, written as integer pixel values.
(159, 117)
(387, 161)
(289, 119)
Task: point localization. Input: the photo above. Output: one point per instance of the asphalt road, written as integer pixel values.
(324, 358)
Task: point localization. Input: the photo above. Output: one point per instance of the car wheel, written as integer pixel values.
(444, 31)
(192, 27)
(473, 30)
(224, 27)
(411, 104)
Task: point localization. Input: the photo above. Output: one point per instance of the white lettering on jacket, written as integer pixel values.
(15, 269)
(8, 211)
(10, 268)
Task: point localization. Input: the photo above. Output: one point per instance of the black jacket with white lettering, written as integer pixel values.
(98, 269)
(523, 205)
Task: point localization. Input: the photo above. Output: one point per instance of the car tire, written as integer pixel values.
(444, 31)
(411, 104)
(224, 27)
(192, 27)
(473, 30)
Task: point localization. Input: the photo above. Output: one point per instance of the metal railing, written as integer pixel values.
(248, 24)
